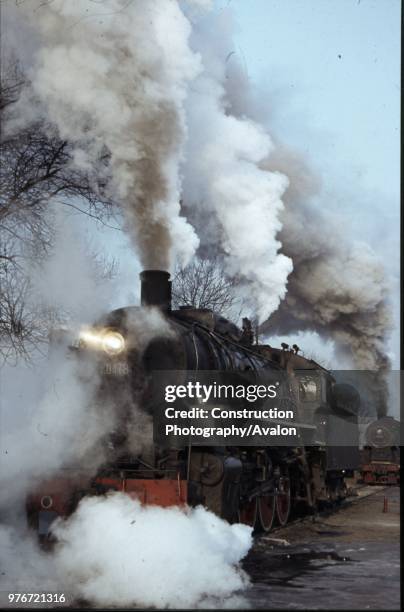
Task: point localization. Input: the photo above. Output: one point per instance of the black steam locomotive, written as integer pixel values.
(380, 457)
(256, 485)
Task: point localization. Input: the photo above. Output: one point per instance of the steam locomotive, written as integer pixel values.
(380, 457)
(256, 485)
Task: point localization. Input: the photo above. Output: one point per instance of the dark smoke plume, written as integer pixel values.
(338, 286)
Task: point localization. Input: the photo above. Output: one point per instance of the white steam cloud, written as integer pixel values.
(234, 202)
(224, 179)
(114, 552)
(49, 413)
(51, 421)
(151, 556)
(113, 78)
(129, 83)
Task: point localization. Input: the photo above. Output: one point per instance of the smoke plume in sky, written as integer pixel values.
(157, 88)
(125, 84)
(338, 286)
(113, 78)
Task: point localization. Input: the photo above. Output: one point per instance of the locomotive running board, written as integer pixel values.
(162, 492)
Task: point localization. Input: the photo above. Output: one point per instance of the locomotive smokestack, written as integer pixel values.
(156, 289)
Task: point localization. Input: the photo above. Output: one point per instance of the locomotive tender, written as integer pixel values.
(257, 485)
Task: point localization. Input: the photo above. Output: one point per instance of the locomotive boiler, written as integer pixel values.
(257, 485)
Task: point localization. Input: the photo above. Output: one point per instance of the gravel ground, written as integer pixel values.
(347, 560)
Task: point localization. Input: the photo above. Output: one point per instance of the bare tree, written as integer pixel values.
(36, 168)
(203, 284)
(23, 328)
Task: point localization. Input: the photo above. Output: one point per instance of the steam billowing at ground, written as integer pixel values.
(163, 556)
(148, 556)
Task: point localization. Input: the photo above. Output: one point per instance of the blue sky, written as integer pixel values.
(333, 68)
(330, 70)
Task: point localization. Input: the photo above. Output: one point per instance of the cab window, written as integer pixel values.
(309, 389)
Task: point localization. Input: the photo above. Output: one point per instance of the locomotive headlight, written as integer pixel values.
(113, 343)
(46, 502)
